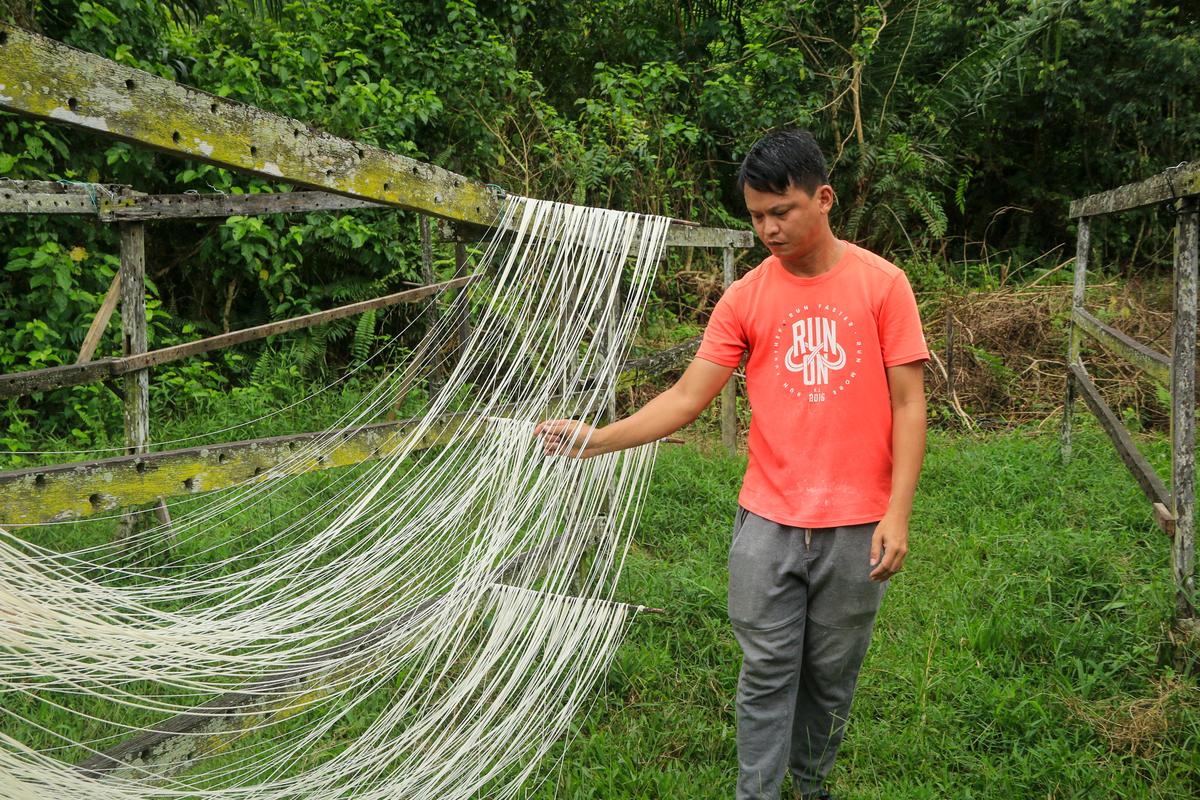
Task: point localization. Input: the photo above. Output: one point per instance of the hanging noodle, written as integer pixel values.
(426, 626)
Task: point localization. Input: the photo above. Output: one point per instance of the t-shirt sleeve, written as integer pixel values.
(725, 339)
(900, 336)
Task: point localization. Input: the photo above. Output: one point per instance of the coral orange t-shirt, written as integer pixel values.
(821, 419)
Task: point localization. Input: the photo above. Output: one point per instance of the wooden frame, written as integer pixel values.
(49, 80)
(1174, 510)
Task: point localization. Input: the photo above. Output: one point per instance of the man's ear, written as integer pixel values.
(826, 197)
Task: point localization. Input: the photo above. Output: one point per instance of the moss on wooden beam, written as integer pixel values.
(77, 491)
(49, 80)
(1171, 184)
(1151, 362)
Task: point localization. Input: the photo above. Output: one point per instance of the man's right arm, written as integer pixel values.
(662, 416)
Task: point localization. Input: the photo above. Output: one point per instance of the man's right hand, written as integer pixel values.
(567, 437)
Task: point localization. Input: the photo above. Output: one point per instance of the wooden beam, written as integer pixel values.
(180, 351)
(657, 362)
(199, 206)
(49, 80)
(80, 490)
(1150, 361)
(1138, 466)
(1177, 182)
(38, 380)
(680, 234)
(100, 322)
(176, 744)
(52, 197)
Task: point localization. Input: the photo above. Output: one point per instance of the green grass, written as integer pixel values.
(1022, 653)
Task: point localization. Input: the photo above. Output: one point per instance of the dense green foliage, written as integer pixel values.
(956, 132)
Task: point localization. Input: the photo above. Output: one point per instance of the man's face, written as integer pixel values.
(789, 224)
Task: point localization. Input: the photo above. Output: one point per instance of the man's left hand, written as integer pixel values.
(890, 540)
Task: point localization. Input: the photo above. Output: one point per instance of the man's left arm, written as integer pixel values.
(906, 384)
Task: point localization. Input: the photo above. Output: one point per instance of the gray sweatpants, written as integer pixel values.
(802, 609)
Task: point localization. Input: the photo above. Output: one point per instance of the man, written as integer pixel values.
(834, 376)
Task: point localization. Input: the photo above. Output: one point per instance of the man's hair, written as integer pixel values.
(781, 158)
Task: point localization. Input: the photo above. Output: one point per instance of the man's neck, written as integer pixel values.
(817, 261)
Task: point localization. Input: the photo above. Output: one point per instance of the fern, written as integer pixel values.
(264, 367)
(310, 349)
(364, 336)
(926, 205)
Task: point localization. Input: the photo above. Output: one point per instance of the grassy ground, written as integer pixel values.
(1021, 653)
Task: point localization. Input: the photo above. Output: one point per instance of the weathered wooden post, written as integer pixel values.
(1183, 413)
(132, 279)
(133, 331)
(431, 307)
(1083, 245)
(462, 323)
(729, 423)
